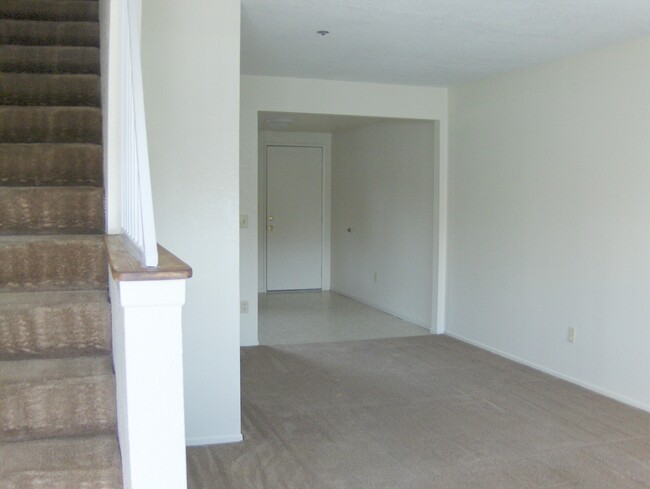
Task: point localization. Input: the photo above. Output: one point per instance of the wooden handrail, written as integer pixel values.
(125, 264)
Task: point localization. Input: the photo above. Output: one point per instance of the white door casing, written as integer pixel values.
(294, 213)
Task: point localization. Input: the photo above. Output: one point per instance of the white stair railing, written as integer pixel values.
(146, 294)
(137, 220)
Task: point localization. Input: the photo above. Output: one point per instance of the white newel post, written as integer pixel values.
(147, 288)
(147, 354)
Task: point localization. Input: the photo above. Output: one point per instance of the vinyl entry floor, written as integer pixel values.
(289, 318)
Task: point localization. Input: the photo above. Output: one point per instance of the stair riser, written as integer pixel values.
(39, 89)
(49, 59)
(70, 407)
(39, 33)
(47, 460)
(49, 10)
(50, 165)
(46, 210)
(52, 264)
(50, 125)
(59, 330)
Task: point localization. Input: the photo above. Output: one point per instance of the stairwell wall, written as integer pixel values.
(190, 53)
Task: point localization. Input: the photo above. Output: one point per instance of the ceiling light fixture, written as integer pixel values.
(323, 33)
(279, 122)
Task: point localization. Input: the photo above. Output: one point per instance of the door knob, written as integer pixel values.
(270, 228)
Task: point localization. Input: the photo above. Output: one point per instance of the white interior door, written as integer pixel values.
(294, 210)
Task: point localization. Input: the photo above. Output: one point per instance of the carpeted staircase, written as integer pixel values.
(57, 388)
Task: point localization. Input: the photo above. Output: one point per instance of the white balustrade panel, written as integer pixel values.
(137, 219)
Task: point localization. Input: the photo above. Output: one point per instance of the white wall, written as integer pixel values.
(191, 75)
(324, 140)
(320, 97)
(383, 190)
(549, 218)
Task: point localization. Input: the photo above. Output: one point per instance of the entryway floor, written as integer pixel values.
(321, 317)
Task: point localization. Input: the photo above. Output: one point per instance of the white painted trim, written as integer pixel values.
(324, 255)
(213, 440)
(326, 269)
(439, 317)
(316, 140)
(425, 327)
(554, 373)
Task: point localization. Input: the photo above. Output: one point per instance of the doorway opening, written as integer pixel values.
(347, 212)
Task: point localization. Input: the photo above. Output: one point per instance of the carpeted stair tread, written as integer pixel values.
(54, 324)
(51, 210)
(47, 89)
(50, 9)
(66, 479)
(35, 405)
(57, 386)
(51, 164)
(55, 368)
(54, 33)
(37, 263)
(50, 124)
(49, 59)
(67, 463)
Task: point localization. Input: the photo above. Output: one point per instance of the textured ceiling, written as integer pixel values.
(427, 42)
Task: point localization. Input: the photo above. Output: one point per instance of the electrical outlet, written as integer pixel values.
(375, 277)
(243, 221)
(571, 335)
(244, 307)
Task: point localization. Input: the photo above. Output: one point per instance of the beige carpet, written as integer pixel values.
(419, 412)
(57, 387)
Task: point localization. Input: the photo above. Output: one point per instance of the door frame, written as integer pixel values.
(316, 140)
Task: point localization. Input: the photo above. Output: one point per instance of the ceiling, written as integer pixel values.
(312, 122)
(427, 42)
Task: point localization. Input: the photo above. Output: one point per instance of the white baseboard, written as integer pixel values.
(213, 440)
(594, 388)
(384, 309)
